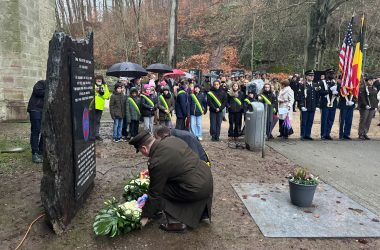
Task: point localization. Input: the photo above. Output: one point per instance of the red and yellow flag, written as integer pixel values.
(357, 62)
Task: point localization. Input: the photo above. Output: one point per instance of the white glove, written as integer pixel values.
(367, 107)
(317, 109)
(335, 92)
(304, 109)
(333, 88)
(349, 103)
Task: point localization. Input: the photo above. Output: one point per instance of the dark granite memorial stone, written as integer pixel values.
(69, 145)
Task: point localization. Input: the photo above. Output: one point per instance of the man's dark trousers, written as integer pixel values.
(216, 119)
(35, 135)
(345, 121)
(307, 119)
(327, 121)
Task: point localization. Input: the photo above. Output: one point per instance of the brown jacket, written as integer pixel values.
(180, 183)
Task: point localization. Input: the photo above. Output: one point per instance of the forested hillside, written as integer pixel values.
(278, 36)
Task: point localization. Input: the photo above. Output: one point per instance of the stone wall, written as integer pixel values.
(26, 28)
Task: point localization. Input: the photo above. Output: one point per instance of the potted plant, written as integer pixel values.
(302, 187)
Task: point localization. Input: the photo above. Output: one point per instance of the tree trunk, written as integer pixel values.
(316, 31)
(173, 33)
(70, 12)
(95, 11)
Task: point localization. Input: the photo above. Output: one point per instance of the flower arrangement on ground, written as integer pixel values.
(120, 218)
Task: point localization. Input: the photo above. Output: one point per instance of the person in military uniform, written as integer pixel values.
(308, 104)
(328, 102)
(161, 132)
(181, 184)
(367, 103)
(346, 105)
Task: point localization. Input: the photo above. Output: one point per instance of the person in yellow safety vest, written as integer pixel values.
(101, 94)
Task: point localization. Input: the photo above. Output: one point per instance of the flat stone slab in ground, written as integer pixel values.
(332, 215)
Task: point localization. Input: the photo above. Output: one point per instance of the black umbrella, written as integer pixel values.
(159, 68)
(126, 69)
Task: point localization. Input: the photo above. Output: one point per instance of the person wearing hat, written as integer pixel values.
(308, 104)
(117, 111)
(161, 132)
(133, 111)
(181, 184)
(367, 103)
(35, 107)
(165, 107)
(328, 102)
(217, 101)
(101, 94)
(148, 107)
(198, 108)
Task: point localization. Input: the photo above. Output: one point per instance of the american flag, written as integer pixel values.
(345, 60)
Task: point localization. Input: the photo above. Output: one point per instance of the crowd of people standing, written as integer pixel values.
(155, 101)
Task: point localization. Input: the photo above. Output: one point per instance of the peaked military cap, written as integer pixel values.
(139, 139)
(309, 73)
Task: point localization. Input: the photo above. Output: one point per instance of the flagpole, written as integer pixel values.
(365, 46)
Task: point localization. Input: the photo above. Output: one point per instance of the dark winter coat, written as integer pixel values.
(247, 104)
(36, 101)
(192, 141)
(180, 183)
(117, 105)
(309, 96)
(182, 107)
(132, 114)
(233, 106)
(221, 95)
(147, 110)
(194, 110)
(367, 98)
(161, 107)
(342, 104)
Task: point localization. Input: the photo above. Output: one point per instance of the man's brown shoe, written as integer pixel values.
(174, 227)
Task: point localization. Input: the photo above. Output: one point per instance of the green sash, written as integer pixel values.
(162, 99)
(216, 100)
(237, 101)
(148, 100)
(181, 92)
(247, 101)
(195, 99)
(266, 100)
(134, 105)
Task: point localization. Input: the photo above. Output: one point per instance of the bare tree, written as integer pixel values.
(173, 33)
(316, 31)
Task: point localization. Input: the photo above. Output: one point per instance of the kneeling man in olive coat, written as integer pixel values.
(181, 184)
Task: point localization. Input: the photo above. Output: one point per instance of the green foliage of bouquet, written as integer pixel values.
(120, 218)
(117, 219)
(303, 177)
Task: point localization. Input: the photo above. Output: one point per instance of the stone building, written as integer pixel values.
(26, 28)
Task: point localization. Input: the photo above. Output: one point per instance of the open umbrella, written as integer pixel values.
(159, 68)
(176, 72)
(126, 69)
